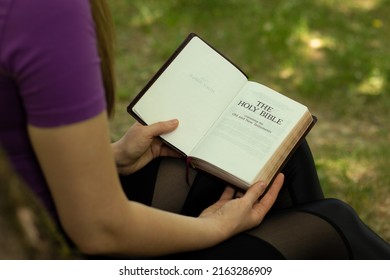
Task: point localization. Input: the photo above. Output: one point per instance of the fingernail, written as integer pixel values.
(174, 122)
(262, 186)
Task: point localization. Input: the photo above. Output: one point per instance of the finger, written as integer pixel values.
(164, 127)
(276, 185)
(227, 194)
(239, 195)
(269, 198)
(254, 192)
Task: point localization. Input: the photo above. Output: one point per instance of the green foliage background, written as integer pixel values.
(331, 55)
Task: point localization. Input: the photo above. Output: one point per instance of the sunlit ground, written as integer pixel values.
(331, 55)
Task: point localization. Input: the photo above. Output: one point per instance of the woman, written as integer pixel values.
(56, 82)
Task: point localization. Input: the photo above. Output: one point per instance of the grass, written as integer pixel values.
(331, 55)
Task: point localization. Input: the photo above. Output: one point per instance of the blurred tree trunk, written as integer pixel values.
(26, 229)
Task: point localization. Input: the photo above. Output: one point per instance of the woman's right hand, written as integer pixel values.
(231, 215)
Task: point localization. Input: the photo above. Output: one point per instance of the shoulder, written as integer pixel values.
(42, 23)
(49, 13)
(23, 19)
(42, 27)
(23, 12)
(50, 48)
(46, 8)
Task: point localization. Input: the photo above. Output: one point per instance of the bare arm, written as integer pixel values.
(78, 163)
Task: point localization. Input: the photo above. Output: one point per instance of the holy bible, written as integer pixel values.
(235, 129)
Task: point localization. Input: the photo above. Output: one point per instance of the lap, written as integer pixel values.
(162, 184)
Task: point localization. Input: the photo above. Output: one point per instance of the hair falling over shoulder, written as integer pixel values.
(105, 35)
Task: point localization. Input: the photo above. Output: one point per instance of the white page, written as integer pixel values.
(195, 88)
(241, 141)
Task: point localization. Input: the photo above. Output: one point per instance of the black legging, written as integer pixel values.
(292, 229)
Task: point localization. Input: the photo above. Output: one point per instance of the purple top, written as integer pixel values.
(49, 76)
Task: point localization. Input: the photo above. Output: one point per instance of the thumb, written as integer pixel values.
(255, 191)
(163, 127)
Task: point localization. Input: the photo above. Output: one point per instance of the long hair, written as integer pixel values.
(105, 34)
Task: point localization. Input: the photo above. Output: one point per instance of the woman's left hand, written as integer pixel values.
(140, 145)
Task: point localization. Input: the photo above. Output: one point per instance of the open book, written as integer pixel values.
(233, 128)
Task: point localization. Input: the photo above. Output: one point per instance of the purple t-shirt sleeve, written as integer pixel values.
(52, 53)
